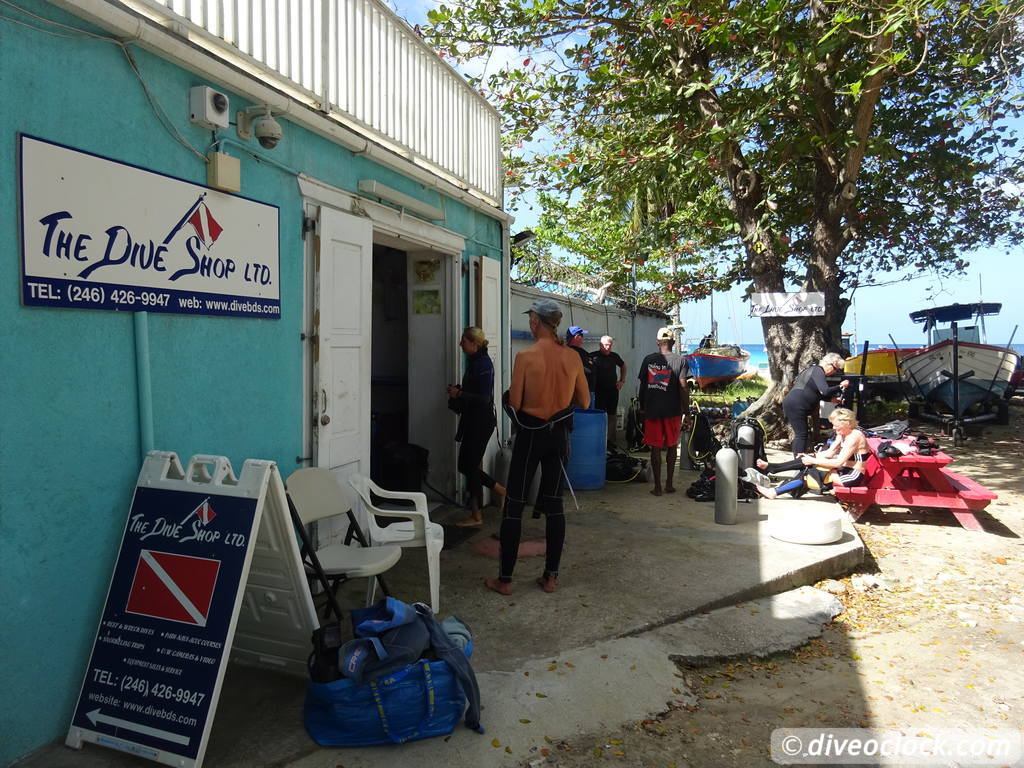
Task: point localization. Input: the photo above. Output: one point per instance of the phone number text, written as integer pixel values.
(97, 294)
(142, 686)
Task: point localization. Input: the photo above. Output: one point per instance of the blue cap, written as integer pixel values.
(575, 330)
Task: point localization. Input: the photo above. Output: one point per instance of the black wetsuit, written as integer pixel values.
(846, 476)
(809, 389)
(544, 444)
(476, 423)
(588, 366)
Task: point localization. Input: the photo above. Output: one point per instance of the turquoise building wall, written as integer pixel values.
(69, 429)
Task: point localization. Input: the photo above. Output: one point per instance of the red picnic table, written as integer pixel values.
(913, 480)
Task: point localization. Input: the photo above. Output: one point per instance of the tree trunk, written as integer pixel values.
(794, 343)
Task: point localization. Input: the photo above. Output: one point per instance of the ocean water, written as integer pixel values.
(759, 355)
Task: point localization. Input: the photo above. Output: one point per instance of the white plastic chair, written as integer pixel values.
(417, 531)
(316, 495)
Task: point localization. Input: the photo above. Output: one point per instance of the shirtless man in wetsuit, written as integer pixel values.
(547, 380)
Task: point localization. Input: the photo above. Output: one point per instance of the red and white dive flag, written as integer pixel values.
(205, 225)
(204, 512)
(173, 587)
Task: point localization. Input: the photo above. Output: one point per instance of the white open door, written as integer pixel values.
(490, 305)
(490, 300)
(341, 358)
(435, 303)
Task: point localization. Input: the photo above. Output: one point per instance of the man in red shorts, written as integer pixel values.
(664, 405)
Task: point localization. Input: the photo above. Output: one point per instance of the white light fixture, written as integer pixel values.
(402, 200)
(258, 120)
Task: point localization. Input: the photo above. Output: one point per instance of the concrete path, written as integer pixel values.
(602, 686)
(600, 652)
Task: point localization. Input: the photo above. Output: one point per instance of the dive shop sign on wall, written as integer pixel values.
(100, 234)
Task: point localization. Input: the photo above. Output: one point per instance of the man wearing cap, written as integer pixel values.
(609, 376)
(547, 380)
(664, 404)
(574, 338)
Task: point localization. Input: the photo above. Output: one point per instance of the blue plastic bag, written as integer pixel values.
(418, 701)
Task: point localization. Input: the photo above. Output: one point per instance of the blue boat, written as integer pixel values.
(714, 363)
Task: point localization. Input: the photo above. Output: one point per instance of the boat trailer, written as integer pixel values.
(953, 424)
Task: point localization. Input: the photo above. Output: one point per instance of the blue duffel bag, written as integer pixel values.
(417, 700)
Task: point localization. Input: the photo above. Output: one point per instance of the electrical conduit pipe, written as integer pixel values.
(143, 382)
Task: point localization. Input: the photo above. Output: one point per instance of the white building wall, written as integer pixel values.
(634, 334)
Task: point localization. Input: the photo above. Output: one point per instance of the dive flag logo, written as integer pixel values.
(207, 228)
(659, 377)
(204, 512)
(173, 587)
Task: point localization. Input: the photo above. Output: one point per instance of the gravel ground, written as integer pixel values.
(932, 638)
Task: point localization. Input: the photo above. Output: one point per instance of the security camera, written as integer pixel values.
(268, 131)
(260, 121)
(207, 107)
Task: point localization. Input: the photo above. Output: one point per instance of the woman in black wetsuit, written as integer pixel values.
(809, 388)
(474, 402)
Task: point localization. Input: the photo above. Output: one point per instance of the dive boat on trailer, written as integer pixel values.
(714, 363)
(956, 370)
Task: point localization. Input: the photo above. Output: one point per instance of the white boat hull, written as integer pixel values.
(991, 366)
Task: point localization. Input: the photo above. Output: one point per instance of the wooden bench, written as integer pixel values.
(915, 481)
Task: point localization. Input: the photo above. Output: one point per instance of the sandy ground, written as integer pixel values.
(932, 638)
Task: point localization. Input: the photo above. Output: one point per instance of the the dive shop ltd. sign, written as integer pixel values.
(100, 234)
(799, 304)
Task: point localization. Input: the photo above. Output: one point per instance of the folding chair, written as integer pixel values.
(416, 531)
(314, 495)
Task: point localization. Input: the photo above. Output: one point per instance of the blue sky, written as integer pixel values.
(877, 312)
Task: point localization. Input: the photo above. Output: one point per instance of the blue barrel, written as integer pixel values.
(587, 450)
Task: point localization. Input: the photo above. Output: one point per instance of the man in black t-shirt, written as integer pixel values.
(574, 340)
(609, 376)
(665, 405)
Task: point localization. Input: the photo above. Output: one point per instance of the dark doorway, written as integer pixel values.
(389, 371)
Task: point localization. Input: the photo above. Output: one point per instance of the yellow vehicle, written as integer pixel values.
(882, 369)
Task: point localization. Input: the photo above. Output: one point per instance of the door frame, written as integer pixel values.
(390, 227)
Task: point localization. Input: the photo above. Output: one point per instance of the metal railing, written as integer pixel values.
(356, 58)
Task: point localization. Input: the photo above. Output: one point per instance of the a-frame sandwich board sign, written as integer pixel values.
(174, 603)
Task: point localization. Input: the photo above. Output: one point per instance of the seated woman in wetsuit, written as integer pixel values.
(843, 459)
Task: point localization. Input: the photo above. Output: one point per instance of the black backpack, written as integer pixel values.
(703, 488)
(622, 468)
(634, 426)
(759, 436)
(701, 443)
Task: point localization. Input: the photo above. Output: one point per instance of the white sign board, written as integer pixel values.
(176, 605)
(100, 234)
(800, 304)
